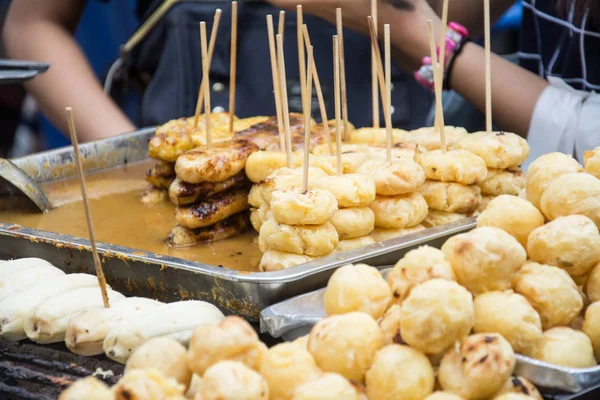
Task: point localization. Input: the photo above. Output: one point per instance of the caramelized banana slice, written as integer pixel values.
(182, 193)
(161, 174)
(229, 227)
(213, 210)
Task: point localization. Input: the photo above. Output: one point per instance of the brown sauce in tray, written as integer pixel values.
(120, 218)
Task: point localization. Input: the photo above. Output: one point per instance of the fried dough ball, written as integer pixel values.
(515, 216)
(591, 160)
(351, 161)
(510, 315)
(87, 388)
(478, 367)
(500, 181)
(353, 222)
(592, 284)
(591, 326)
(438, 218)
(399, 176)
(294, 206)
(485, 201)
(443, 396)
(458, 166)
(323, 149)
(402, 211)
(312, 240)
(565, 347)
(255, 219)
(484, 259)
(356, 243)
(551, 291)
(383, 234)
(232, 380)
(577, 193)
(390, 325)
(147, 384)
(352, 190)
(285, 178)
(357, 287)
(416, 267)
(328, 387)
(544, 170)
(498, 149)
(375, 136)
(273, 260)
(399, 372)
(571, 243)
(399, 150)
(286, 367)
(302, 341)
(429, 139)
(519, 385)
(451, 197)
(261, 164)
(346, 344)
(255, 199)
(436, 314)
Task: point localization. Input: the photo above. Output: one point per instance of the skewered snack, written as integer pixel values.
(232, 380)
(500, 150)
(266, 132)
(436, 314)
(182, 193)
(591, 326)
(261, 164)
(520, 385)
(592, 285)
(285, 178)
(273, 260)
(544, 170)
(500, 181)
(375, 136)
(87, 388)
(357, 287)
(418, 266)
(437, 218)
(399, 150)
(312, 240)
(294, 206)
(383, 234)
(13, 268)
(458, 166)
(164, 354)
(347, 148)
(510, 315)
(551, 291)
(356, 243)
(329, 386)
(566, 347)
(161, 174)
(429, 139)
(12, 283)
(224, 229)
(402, 211)
(88, 329)
(354, 222)
(351, 190)
(390, 325)
(571, 243)
(451, 197)
(259, 215)
(147, 384)
(48, 321)
(591, 160)
(255, 199)
(443, 396)
(399, 176)
(212, 210)
(516, 216)
(286, 367)
(484, 259)
(477, 367)
(575, 193)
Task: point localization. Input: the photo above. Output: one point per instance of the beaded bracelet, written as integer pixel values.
(456, 36)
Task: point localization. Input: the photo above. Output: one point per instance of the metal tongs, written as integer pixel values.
(15, 71)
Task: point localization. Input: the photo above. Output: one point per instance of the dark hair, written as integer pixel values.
(581, 6)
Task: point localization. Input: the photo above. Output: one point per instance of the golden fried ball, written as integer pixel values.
(499, 149)
(356, 243)
(544, 170)
(285, 178)
(437, 218)
(519, 385)
(383, 234)
(591, 326)
(346, 344)
(87, 388)
(375, 135)
(399, 176)
(273, 260)
(510, 315)
(353, 222)
(402, 211)
(592, 284)
(302, 341)
(351, 161)
(501, 181)
(451, 197)
(357, 287)
(312, 240)
(565, 347)
(478, 367)
(147, 384)
(261, 164)
(577, 193)
(232, 380)
(458, 166)
(443, 396)
(390, 325)
(294, 206)
(429, 139)
(591, 160)
(551, 291)
(351, 190)
(399, 372)
(287, 366)
(329, 386)
(484, 259)
(436, 314)
(255, 199)
(571, 243)
(515, 216)
(416, 267)
(485, 201)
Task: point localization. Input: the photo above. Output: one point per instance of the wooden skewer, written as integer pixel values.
(488, 72)
(374, 90)
(86, 206)
(233, 65)
(315, 76)
(437, 86)
(442, 63)
(380, 75)
(340, 34)
(281, 23)
(301, 56)
(276, 87)
(211, 50)
(338, 117)
(205, 72)
(388, 92)
(284, 99)
(307, 116)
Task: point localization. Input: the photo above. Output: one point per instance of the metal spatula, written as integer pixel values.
(18, 186)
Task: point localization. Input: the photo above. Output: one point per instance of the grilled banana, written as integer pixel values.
(161, 174)
(214, 164)
(15, 308)
(229, 227)
(175, 320)
(294, 206)
(154, 196)
(213, 210)
(20, 265)
(266, 132)
(47, 322)
(182, 193)
(88, 329)
(12, 283)
(261, 164)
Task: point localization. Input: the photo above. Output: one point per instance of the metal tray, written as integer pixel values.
(142, 273)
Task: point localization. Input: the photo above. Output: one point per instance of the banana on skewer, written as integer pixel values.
(229, 227)
(20, 265)
(12, 283)
(182, 193)
(213, 210)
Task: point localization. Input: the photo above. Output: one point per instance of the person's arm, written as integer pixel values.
(43, 31)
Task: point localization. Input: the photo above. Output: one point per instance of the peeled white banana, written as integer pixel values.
(21, 279)
(48, 321)
(175, 320)
(15, 308)
(11, 269)
(87, 330)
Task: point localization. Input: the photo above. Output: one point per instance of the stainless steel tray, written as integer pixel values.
(167, 278)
